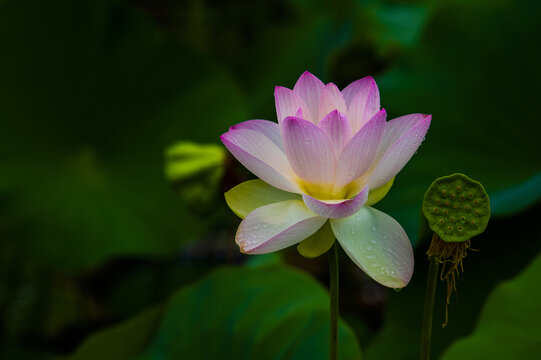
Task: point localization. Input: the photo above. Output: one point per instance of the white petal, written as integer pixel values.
(378, 245)
(277, 226)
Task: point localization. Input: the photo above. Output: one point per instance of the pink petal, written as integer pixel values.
(362, 99)
(277, 226)
(288, 103)
(360, 151)
(268, 128)
(331, 99)
(359, 86)
(396, 128)
(309, 150)
(309, 88)
(259, 154)
(399, 153)
(377, 244)
(335, 209)
(336, 126)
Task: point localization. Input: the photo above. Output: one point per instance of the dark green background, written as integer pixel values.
(102, 257)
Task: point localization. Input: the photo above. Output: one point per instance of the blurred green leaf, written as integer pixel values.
(512, 200)
(122, 341)
(238, 313)
(509, 326)
(476, 78)
(400, 24)
(195, 170)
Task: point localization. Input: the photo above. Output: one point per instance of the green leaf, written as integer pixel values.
(195, 170)
(509, 326)
(122, 341)
(246, 313)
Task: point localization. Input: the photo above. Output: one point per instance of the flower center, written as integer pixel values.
(322, 191)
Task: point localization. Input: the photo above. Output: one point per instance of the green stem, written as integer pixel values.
(333, 272)
(430, 294)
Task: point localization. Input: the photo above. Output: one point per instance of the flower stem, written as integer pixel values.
(430, 294)
(333, 273)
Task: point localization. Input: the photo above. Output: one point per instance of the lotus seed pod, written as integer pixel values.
(457, 208)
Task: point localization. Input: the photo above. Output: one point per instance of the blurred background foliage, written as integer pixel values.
(115, 241)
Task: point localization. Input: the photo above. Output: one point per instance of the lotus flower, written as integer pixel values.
(331, 155)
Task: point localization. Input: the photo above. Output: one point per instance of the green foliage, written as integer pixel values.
(483, 121)
(196, 171)
(457, 208)
(122, 341)
(259, 313)
(508, 327)
(91, 94)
